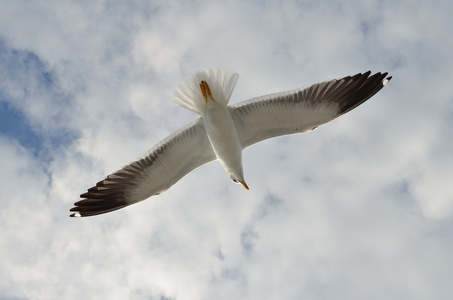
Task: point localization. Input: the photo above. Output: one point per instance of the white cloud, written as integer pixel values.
(359, 208)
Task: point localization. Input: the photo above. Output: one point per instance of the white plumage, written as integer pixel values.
(222, 132)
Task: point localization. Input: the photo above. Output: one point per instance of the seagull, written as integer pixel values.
(222, 131)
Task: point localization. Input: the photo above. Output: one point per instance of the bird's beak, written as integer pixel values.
(206, 91)
(244, 185)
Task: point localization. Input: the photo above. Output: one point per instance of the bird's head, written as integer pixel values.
(240, 181)
(233, 167)
(237, 176)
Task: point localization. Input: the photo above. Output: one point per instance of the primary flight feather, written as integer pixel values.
(221, 132)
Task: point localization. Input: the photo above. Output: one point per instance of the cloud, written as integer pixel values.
(359, 208)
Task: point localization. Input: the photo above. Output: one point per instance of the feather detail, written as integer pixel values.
(221, 82)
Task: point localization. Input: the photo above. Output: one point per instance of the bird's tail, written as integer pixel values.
(221, 83)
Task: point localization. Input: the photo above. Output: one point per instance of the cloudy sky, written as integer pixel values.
(361, 208)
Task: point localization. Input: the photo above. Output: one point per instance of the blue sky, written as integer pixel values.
(18, 67)
(25, 80)
(360, 208)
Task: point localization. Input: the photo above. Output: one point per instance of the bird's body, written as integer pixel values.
(221, 132)
(224, 139)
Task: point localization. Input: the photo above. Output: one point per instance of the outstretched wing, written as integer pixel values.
(302, 110)
(160, 168)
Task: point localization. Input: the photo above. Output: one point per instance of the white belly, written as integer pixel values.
(223, 136)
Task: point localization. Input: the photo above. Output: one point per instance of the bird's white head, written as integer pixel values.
(235, 171)
(214, 84)
(241, 182)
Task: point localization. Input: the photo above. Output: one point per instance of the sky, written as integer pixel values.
(361, 208)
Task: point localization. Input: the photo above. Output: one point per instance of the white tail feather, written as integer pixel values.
(220, 80)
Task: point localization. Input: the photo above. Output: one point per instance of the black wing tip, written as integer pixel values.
(96, 204)
(88, 211)
(364, 86)
(367, 74)
(106, 196)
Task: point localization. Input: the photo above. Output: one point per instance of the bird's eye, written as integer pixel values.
(235, 181)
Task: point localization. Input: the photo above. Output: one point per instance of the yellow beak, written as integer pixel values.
(244, 185)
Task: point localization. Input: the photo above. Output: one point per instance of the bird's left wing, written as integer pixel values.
(302, 110)
(166, 163)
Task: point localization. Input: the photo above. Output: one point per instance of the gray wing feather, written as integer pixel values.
(152, 174)
(302, 110)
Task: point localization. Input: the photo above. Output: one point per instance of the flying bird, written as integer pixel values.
(222, 131)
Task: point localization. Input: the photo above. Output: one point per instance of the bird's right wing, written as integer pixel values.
(166, 163)
(302, 110)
